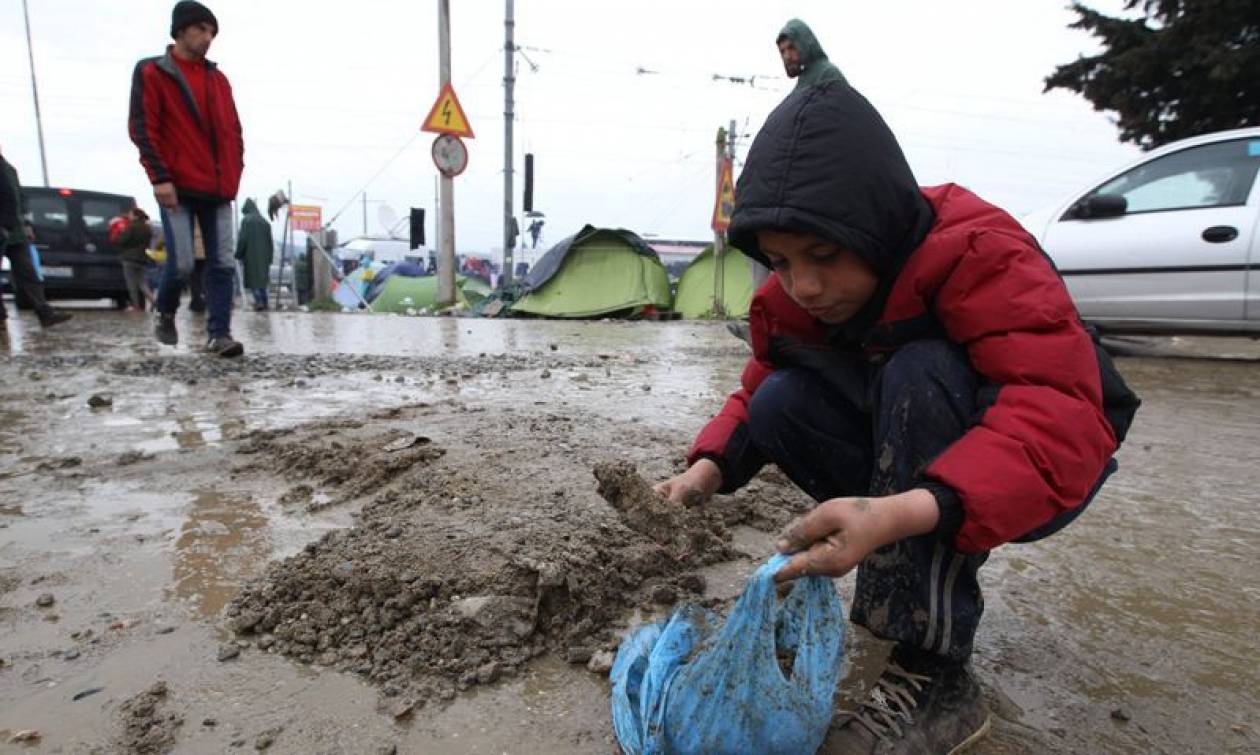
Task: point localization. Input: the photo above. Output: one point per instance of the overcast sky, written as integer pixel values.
(331, 96)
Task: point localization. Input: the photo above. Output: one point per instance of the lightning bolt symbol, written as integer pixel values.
(446, 113)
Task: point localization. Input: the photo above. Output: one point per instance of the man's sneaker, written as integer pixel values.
(225, 346)
(164, 329)
(939, 710)
(54, 318)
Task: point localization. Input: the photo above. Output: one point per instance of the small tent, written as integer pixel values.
(400, 293)
(696, 285)
(594, 273)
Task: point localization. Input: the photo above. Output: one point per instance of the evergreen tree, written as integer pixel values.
(1186, 67)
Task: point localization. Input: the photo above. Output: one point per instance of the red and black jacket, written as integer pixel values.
(203, 154)
(951, 266)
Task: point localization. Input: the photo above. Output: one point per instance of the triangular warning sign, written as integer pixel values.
(724, 205)
(447, 117)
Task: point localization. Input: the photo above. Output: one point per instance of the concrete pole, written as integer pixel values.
(446, 255)
(509, 81)
(39, 122)
(719, 240)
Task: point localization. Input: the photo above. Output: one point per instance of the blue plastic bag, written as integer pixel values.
(693, 684)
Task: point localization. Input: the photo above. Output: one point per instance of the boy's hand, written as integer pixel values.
(693, 487)
(839, 533)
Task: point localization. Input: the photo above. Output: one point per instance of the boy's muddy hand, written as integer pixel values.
(839, 533)
(693, 487)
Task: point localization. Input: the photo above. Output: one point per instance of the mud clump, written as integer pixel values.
(463, 568)
(350, 467)
(146, 727)
(682, 530)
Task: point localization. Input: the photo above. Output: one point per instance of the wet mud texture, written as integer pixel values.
(483, 541)
(148, 728)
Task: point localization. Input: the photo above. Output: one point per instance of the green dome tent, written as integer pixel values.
(401, 292)
(593, 273)
(695, 286)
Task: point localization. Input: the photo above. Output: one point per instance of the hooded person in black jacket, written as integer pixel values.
(920, 371)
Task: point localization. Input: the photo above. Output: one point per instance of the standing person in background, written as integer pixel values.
(803, 56)
(134, 242)
(255, 248)
(184, 122)
(15, 240)
(804, 60)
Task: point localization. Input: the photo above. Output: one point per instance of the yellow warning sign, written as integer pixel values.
(447, 117)
(724, 205)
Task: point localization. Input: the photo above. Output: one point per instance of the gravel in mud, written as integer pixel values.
(148, 728)
(296, 366)
(480, 550)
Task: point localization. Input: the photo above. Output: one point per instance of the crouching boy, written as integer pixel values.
(920, 371)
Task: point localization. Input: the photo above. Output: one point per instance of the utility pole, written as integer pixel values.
(719, 239)
(509, 81)
(446, 218)
(39, 122)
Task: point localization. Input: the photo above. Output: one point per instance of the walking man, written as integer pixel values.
(15, 243)
(184, 122)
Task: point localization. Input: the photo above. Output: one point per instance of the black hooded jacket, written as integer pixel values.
(826, 163)
(950, 266)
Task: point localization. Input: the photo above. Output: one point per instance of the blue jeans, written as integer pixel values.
(215, 221)
(875, 438)
(260, 297)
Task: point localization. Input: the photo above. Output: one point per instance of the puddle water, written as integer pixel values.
(223, 542)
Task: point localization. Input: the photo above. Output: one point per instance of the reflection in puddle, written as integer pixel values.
(224, 541)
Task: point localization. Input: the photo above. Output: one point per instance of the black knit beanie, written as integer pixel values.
(189, 12)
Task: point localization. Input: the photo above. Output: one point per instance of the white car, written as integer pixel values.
(1167, 244)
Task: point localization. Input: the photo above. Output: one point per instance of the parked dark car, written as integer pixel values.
(72, 237)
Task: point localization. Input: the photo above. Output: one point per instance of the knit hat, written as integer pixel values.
(189, 12)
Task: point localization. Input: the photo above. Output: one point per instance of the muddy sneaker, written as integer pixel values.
(225, 346)
(164, 329)
(54, 318)
(937, 711)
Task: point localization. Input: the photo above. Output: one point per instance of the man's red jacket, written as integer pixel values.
(1043, 441)
(203, 154)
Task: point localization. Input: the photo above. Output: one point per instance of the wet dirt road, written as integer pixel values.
(151, 519)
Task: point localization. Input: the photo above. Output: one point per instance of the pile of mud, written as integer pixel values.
(478, 551)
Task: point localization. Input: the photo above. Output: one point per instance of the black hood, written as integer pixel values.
(826, 163)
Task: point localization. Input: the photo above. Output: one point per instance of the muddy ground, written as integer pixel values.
(388, 534)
